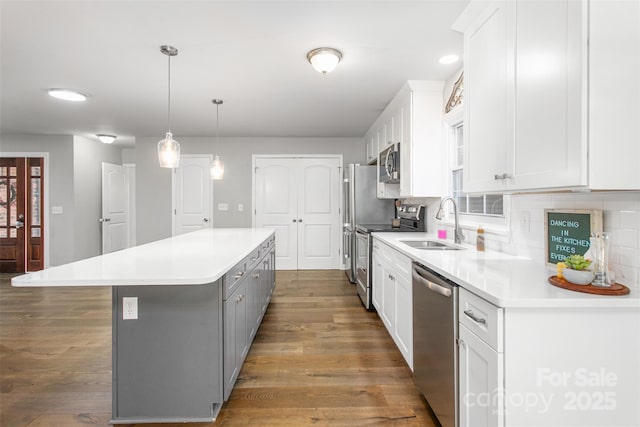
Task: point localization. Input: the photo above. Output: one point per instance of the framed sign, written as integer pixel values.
(567, 232)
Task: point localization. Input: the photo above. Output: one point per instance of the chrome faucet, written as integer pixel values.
(458, 236)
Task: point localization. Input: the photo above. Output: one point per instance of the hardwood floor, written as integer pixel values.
(319, 358)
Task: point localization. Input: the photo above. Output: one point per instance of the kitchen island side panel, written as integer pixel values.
(167, 364)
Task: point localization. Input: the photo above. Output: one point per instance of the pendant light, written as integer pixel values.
(169, 148)
(217, 167)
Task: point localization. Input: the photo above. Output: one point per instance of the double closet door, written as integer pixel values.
(300, 199)
(21, 214)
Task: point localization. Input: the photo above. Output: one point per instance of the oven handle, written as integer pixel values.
(418, 277)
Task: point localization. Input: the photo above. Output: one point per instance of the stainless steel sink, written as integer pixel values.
(432, 245)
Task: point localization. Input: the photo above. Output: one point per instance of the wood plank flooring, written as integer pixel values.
(318, 358)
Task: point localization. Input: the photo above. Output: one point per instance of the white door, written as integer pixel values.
(319, 227)
(115, 208)
(276, 206)
(300, 199)
(192, 194)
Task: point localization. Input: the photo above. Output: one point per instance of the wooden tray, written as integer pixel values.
(615, 289)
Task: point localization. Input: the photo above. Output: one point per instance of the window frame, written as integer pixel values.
(498, 224)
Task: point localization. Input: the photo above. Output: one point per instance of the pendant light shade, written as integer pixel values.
(217, 167)
(169, 152)
(324, 59)
(169, 148)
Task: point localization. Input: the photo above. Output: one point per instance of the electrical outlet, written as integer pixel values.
(129, 308)
(240, 207)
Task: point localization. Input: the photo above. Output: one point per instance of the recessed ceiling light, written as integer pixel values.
(324, 59)
(67, 94)
(106, 139)
(448, 59)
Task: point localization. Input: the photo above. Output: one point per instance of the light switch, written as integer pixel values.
(223, 206)
(56, 210)
(240, 207)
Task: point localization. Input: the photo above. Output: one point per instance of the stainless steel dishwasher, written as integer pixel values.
(435, 331)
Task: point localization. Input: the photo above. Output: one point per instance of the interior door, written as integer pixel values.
(276, 207)
(319, 225)
(21, 215)
(115, 208)
(192, 194)
(300, 199)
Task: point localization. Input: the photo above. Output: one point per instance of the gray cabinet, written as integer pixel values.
(252, 282)
(236, 341)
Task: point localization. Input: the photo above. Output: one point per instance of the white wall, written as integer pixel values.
(153, 186)
(88, 155)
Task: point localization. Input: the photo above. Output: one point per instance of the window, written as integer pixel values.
(486, 205)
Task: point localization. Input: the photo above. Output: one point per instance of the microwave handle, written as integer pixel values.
(386, 164)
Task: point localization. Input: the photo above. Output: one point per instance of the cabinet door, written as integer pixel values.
(388, 297)
(404, 116)
(235, 336)
(549, 148)
(480, 392)
(403, 328)
(488, 98)
(378, 282)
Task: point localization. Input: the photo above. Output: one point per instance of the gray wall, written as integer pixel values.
(153, 186)
(75, 179)
(88, 155)
(60, 149)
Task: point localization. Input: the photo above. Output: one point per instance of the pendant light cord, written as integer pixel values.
(217, 123)
(169, 109)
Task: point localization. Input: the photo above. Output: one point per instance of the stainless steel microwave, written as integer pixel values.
(389, 164)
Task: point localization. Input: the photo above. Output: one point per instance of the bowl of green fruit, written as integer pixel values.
(577, 270)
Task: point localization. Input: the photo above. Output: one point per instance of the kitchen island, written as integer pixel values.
(184, 312)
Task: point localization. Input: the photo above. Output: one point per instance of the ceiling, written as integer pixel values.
(252, 54)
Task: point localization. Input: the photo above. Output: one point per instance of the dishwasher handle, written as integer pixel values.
(417, 274)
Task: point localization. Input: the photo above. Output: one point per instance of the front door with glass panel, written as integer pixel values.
(21, 215)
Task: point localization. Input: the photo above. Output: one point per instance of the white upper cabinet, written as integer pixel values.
(413, 118)
(544, 97)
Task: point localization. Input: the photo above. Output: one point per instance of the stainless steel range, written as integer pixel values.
(411, 219)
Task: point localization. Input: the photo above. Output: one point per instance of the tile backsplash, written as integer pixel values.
(525, 237)
(621, 219)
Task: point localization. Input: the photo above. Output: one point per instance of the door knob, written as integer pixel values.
(205, 219)
(294, 220)
(20, 221)
(104, 219)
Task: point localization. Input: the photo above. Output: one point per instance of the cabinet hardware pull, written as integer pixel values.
(294, 220)
(469, 314)
(498, 177)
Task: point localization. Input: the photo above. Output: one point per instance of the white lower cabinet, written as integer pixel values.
(479, 382)
(392, 296)
(547, 366)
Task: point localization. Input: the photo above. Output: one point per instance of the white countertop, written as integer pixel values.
(194, 258)
(502, 279)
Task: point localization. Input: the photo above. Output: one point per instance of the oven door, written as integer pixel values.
(362, 268)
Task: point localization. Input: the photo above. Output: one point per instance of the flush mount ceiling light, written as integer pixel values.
(324, 59)
(106, 139)
(67, 94)
(448, 59)
(217, 167)
(169, 148)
